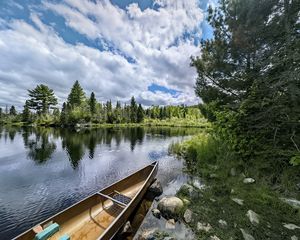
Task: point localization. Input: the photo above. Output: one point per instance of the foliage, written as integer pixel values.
(76, 96)
(41, 99)
(12, 111)
(222, 173)
(79, 110)
(248, 78)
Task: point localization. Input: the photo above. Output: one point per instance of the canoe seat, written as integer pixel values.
(47, 232)
(121, 198)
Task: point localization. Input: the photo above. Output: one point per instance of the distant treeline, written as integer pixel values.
(41, 108)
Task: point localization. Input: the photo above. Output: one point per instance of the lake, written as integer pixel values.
(44, 170)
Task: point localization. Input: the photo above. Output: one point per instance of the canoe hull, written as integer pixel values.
(144, 177)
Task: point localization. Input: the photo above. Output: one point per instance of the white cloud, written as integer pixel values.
(36, 54)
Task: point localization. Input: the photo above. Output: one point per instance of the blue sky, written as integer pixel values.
(116, 48)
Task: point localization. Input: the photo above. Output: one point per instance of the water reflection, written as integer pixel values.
(42, 142)
(45, 170)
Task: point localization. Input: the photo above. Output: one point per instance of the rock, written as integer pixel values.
(246, 235)
(291, 226)
(188, 216)
(155, 189)
(169, 238)
(213, 176)
(248, 180)
(148, 234)
(292, 202)
(232, 172)
(156, 213)
(197, 184)
(186, 201)
(127, 228)
(170, 207)
(298, 186)
(222, 223)
(232, 191)
(170, 224)
(212, 200)
(206, 227)
(294, 238)
(214, 238)
(238, 201)
(253, 217)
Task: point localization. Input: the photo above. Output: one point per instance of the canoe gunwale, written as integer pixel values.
(154, 164)
(154, 167)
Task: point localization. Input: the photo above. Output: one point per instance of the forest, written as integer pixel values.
(41, 109)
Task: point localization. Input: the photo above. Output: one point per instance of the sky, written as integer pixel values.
(115, 48)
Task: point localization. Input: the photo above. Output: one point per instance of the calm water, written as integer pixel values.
(45, 170)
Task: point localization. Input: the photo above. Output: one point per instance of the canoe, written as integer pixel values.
(99, 216)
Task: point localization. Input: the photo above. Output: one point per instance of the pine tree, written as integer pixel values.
(64, 114)
(42, 98)
(92, 104)
(140, 114)
(249, 75)
(1, 112)
(76, 96)
(12, 111)
(26, 113)
(133, 110)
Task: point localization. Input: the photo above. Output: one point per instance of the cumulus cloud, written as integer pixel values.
(160, 42)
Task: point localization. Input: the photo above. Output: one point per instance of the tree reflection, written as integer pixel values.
(42, 142)
(40, 148)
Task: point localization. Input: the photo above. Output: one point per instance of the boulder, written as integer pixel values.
(253, 217)
(188, 216)
(294, 237)
(170, 224)
(291, 226)
(170, 207)
(155, 189)
(246, 235)
(238, 201)
(248, 180)
(156, 213)
(206, 227)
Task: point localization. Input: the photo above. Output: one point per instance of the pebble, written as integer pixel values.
(203, 227)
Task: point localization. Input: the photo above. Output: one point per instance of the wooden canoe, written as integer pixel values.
(101, 215)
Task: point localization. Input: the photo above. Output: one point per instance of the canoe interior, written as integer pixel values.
(90, 218)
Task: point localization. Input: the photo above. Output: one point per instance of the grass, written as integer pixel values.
(223, 172)
(173, 122)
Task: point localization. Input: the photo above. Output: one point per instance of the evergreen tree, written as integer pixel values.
(12, 111)
(1, 112)
(140, 114)
(109, 112)
(64, 114)
(42, 98)
(76, 96)
(118, 112)
(248, 76)
(92, 103)
(133, 110)
(26, 112)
